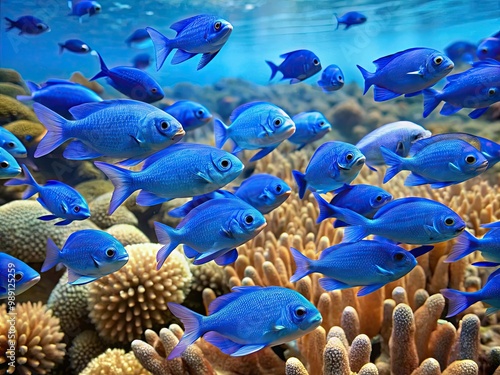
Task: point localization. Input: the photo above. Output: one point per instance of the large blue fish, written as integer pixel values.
(461, 52)
(309, 127)
(247, 320)
(114, 128)
(134, 83)
(74, 45)
(366, 200)
(406, 73)
(82, 8)
(297, 66)
(332, 79)
(478, 87)
(255, 125)
(370, 264)
(439, 164)
(16, 276)
(60, 95)
(139, 38)
(180, 171)
(199, 34)
(88, 255)
(190, 114)
(10, 143)
(332, 165)
(183, 210)
(395, 136)
(350, 18)
(489, 49)
(28, 25)
(8, 165)
(430, 221)
(458, 301)
(61, 200)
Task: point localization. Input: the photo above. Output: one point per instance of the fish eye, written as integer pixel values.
(76, 209)
(349, 156)
(97, 8)
(200, 112)
(277, 122)
(164, 125)
(316, 62)
(491, 92)
(11, 144)
(154, 90)
(39, 26)
(470, 159)
(484, 50)
(438, 60)
(449, 221)
(279, 188)
(340, 78)
(18, 276)
(398, 257)
(217, 25)
(379, 198)
(4, 164)
(249, 219)
(300, 312)
(110, 253)
(225, 164)
(321, 123)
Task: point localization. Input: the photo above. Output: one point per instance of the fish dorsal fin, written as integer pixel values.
(383, 61)
(166, 151)
(86, 109)
(237, 291)
(285, 55)
(55, 81)
(486, 63)
(182, 24)
(454, 77)
(242, 108)
(55, 183)
(389, 206)
(423, 143)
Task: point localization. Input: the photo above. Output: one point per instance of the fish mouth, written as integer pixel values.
(483, 166)
(259, 228)
(287, 193)
(461, 229)
(449, 67)
(22, 156)
(180, 133)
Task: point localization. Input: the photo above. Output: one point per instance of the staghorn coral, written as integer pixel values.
(12, 110)
(116, 362)
(124, 304)
(99, 211)
(38, 346)
(86, 346)
(127, 234)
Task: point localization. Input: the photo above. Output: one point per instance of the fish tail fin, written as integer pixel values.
(11, 25)
(326, 210)
(458, 300)
(52, 257)
(367, 76)
(336, 19)
(220, 133)
(33, 87)
(122, 180)
(394, 161)
(466, 243)
(274, 69)
(168, 237)
(55, 124)
(61, 48)
(300, 178)
(430, 101)
(302, 263)
(28, 179)
(104, 69)
(161, 44)
(193, 327)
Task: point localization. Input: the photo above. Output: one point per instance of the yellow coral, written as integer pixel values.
(12, 110)
(116, 362)
(127, 234)
(86, 346)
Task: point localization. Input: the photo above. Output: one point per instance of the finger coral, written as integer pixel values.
(116, 362)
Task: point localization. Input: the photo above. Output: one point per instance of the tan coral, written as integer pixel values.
(86, 346)
(127, 234)
(12, 110)
(403, 351)
(99, 213)
(94, 188)
(116, 362)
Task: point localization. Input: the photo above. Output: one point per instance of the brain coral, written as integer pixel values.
(94, 188)
(116, 362)
(124, 304)
(86, 346)
(127, 234)
(99, 213)
(12, 110)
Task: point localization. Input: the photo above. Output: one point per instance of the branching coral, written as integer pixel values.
(116, 362)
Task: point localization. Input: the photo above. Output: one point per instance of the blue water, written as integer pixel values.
(263, 29)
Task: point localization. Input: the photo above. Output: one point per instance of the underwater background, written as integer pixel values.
(120, 323)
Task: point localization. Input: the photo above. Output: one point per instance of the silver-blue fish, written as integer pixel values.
(16, 277)
(309, 127)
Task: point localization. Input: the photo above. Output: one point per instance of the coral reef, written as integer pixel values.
(86, 346)
(93, 85)
(94, 188)
(12, 110)
(11, 76)
(127, 234)
(11, 89)
(116, 362)
(99, 211)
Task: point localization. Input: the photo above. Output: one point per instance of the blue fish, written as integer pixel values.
(88, 255)
(439, 164)
(429, 222)
(370, 264)
(190, 114)
(179, 171)
(199, 34)
(332, 79)
(332, 165)
(349, 19)
(309, 127)
(141, 61)
(82, 8)
(297, 66)
(139, 38)
(458, 301)
(60, 95)
(132, 82)
(489, 49)
(255, 125)
(18, 274)
(461, 52)
(406, 72)
(478, 87)
(74, 45)
(10, 143)
(28, 25)
(211, 231)
(277, 315)
(395, 136)
(61, 200)
(8, 165)
(143, 130)
(183, 210)
(366, 200)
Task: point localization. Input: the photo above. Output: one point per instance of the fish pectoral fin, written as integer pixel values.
(416, 72)
(83, 280)
(139, 139)
(431, 231)
(97, 264)
(73, 276)
(259, 155)
(64, 222)
(265, 195)
(226, 232)
(205, 176)
(64, 207)
(227, 258)
(47, 217)
(78, 150)
(223, 343)
(329, 284)
(181, 56)
(369, 289)
(449, 109)
(190, 252)
(205, 59)
(203, 258)
(248, 349)
(383, 271)
(477, 112)
(382, 94)
(454, 168)
(146, 198)
(415, 179)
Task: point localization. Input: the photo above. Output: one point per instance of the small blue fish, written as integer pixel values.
(132, 82)
(88, 255)
(61, 200)
(139, 39)
(190, 114)
(60, 95)
(183, 210)
(489, 49)
(478, 87)
(74, 45)
(370, 264)
(8, 165)
(199, 34)
(28, 25)
(211, 231)
(179, 171)
(15, 275)
(366, 200)
(297, 66)
(143, 130)
(395, 136)
(10, 143)
(255, 125)
(82, 8)
(406, 72)
(461, 52)
(247, 320)
(332, 79)
(309, 127)
(332, 165)
(439, 164)
(458, 301)
(349, 19)
(429, 222)
(141, 61)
